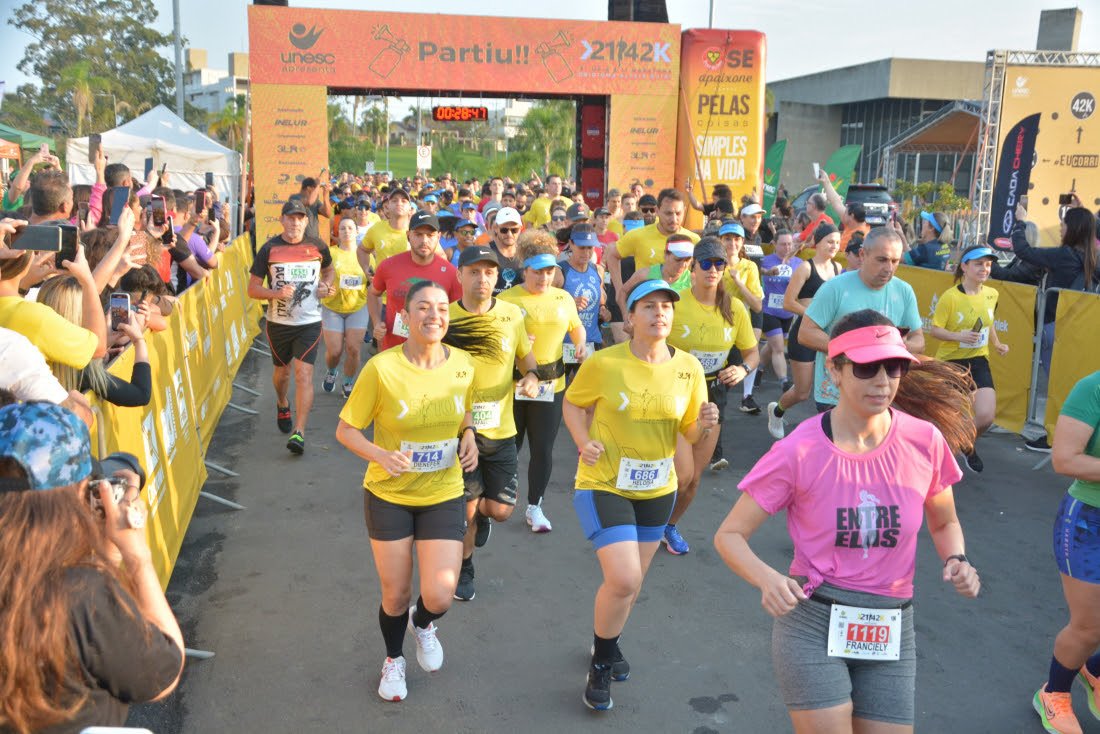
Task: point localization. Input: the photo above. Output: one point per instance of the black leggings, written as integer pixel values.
(541, 421)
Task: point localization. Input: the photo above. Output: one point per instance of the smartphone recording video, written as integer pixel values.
(120, 310)
(169, 233)
(37, 237)
(200, 200)
(70, 238)
(120, 199)
(156, 204)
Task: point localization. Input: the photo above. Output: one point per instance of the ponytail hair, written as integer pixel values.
(724, 301)
(931, 391)
(475, 335)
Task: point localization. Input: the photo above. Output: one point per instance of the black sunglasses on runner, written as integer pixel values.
(718, 265)
(649, 210)
(895, 368)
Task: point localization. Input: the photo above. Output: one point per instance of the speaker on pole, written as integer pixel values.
(642, 11)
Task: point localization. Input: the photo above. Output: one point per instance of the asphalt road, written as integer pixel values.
(286, 595)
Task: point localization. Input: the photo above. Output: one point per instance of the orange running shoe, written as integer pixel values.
(1056, 712)
(1092, 683)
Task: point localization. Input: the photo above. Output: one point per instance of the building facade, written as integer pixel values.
(212, 89)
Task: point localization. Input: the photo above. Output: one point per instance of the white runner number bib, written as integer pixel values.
(711, 361)
(775, 301)
(983, 339)
(865, 634)
(569, 351)
(351, 282)
(636, 475)
(486, 415)
(400, 328)
(544, 395)
(432, 456)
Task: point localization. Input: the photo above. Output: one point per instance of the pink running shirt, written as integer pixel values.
(854, 518)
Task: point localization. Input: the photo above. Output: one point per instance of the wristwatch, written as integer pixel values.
(468, 428)
(957, 557)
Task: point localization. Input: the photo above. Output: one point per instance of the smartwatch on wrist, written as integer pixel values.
(467, 428)
(957, 557)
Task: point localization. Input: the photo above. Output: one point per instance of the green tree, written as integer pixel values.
(81, 85)
(548, 131)
(118, 41)
(228, 125)
(22, 110)
(375, 124)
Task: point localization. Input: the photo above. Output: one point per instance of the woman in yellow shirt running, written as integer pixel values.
(709, 323)
(964, 324)
(549, 314)
(418, 396)
(625, 410)
(344, 316)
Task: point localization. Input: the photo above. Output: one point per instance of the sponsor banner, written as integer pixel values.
(720, 132)
(1013, 178)
(414, 51)
(1075, 355)
(289, 143)
(1015, 327)
(1067, 154)
(773, 164)
(840, 167)
(637, 141)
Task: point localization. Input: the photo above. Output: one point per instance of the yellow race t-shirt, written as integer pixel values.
(750, 276)
(647, 245)
(350, 283)
(384, 241)
(703, 332)
(60, 340)
(547, 317)
(539, 213)
(959, 311)
(493, 384)
(616, 226)
(639, 409)
(417, 410)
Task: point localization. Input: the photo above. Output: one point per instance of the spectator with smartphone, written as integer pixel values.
(21, 182)
(87, 636)
(51, 198)
(934, 246)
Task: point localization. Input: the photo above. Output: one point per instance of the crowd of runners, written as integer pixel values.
(498, 312)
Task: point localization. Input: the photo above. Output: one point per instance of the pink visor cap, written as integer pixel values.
(870, 344)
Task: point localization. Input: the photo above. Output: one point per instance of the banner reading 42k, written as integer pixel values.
(1013, 179)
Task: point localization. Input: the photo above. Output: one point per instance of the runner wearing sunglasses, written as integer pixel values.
(644, 397)
(549, 315)
(709, 323)
(856, 483)
(675, 270)
(963, 322)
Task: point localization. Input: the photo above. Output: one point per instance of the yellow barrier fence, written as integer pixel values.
(1075, 354)
(1015, 324)
(192, 363)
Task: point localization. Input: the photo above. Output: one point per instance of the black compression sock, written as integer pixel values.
(1060, 679)
(605, 647)
(422, 617)
(393, 631)
(779, 410)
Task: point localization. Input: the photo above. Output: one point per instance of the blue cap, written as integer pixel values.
(928, 217)
(431, 197)
(632, 224)
(646, 287)
(447, 213)
(584, 239)
(731, 228)
(469, 205)
(978, 253)
(538, 262)
(50, 442)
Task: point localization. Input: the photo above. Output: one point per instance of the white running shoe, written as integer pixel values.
(537, 519)
(429, 653)
(392, 686)
(775, 422)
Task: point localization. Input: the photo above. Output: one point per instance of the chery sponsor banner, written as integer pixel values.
(415, 51)
(1013, 177)
(1067, 154)
(720, 137)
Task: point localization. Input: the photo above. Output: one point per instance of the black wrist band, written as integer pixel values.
(467, 428)
(531, 372)
(957, 557)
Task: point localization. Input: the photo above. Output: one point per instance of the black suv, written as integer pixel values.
(875, 198)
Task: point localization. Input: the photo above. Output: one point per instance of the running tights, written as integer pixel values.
(540, 423)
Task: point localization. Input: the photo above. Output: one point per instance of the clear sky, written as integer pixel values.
(804, 36)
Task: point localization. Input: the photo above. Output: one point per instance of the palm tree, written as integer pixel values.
(229, 123)
(77, 79)
(375, 124)
(549, 129)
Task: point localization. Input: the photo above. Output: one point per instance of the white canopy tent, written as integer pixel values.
(161, 135)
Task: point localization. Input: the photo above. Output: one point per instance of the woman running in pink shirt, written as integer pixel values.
(857, 483)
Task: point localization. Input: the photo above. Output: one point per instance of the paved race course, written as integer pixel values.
(286, 595)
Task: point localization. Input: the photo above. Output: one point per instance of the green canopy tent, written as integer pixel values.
(27, 141)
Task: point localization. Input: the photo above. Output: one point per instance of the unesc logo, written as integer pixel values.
(304, 39)
(1021, 89)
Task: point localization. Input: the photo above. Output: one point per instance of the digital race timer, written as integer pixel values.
(455, 113)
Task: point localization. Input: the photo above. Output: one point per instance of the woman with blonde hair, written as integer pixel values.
(64, 295)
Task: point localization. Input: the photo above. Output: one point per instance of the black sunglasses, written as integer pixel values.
(718, 265)
(649, 210)
(895, 368)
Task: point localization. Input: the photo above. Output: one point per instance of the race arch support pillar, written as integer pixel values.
(592, 145)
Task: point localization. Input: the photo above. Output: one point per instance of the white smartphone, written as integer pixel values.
(817, 171)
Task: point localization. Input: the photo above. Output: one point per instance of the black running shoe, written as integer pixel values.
(597, 694)
(465, 589)
(748, 405)
(974, 462)
(283, 418)
(296, 443)
(484, 530)
(620, 669)
(1038, 444)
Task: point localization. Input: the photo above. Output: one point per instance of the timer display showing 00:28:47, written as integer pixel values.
(455, 113)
